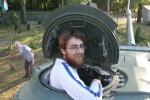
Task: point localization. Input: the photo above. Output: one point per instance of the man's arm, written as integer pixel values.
(75, 88)
(27, 48)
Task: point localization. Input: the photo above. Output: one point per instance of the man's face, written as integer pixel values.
(74, 52)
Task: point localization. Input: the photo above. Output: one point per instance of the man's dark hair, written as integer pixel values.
(66, 35)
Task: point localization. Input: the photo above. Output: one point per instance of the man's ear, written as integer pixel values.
(63, 51)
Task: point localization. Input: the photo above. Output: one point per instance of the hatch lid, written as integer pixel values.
(98, 27)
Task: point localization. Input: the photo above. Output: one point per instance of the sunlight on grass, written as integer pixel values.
(10, 93)
(122, 35)
(8, 76)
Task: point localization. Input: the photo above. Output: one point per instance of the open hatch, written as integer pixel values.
(102, 50)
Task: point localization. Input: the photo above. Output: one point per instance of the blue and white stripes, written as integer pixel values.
(97, 94)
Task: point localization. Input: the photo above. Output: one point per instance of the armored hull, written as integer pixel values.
(123, 70)
(132, 84)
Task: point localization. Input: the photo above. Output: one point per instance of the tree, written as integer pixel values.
(139, 13)
(108, 5)
(23, 11)
(55, 4)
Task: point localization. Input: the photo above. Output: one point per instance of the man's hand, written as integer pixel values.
(88, 74)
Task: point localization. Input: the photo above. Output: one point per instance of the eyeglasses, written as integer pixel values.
(77, 47)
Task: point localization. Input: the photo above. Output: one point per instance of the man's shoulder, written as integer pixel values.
(60, 60)
(26, 47)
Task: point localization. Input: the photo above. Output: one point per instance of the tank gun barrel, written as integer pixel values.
(129, 28)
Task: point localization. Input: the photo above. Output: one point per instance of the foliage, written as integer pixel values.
(119, 6)
(138, 33)
(14, 17)
(116, 6)
(33, 44)
(142, 35)
(71, 2)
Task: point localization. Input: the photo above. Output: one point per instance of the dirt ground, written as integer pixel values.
(3, 42)
(9, 94)
(11, 80)
(11, 63)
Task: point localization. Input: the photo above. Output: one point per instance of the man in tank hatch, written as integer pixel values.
(64, 73)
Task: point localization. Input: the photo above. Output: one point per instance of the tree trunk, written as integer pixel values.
(55, 4)
(108, 5)
(23, 12)
(139, 13)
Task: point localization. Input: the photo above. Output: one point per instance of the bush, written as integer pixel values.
(14, 18)
(138, 32)
(33, 44)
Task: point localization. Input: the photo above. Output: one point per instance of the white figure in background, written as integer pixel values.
(92, 4)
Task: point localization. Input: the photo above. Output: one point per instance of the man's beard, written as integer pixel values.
(75, 63)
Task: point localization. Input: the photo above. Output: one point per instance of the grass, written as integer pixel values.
(11, 80)
(122, 36)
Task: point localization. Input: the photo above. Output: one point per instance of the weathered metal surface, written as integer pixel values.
(34, 90)
(136, 87)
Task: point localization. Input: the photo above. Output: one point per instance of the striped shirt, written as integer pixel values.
(26, 52)
(66, 78)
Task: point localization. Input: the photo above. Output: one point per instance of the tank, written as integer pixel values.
(123, 75)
